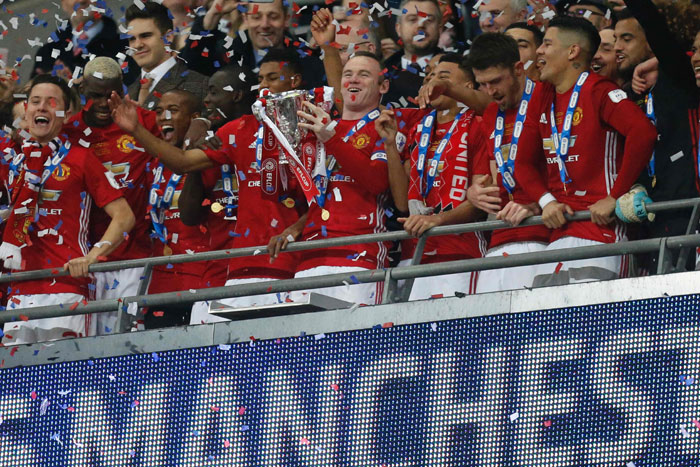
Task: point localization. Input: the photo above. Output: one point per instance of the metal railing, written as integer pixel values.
(390, 276)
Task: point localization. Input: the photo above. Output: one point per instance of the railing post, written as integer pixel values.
(692, 227)
(389, 295)
(124, 320)
(665, 262)
(404, 292)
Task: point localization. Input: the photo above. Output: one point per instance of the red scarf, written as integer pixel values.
(25, 194)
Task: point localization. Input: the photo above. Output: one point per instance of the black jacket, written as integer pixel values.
(193, 53)
(178, 77)
(105, 44)
(403, 83)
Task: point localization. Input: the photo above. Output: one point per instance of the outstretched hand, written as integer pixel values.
(124, 112)
(386, 125)
(433, 89)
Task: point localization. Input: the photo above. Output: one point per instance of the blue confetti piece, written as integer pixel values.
(247, 232)
(323, 231)
(108, 330)
(155, 357)
(389, 213)
(169, 266)
(354, 279)
(241, 175)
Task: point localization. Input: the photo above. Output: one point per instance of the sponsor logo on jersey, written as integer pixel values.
(61, 172)
(50, 195)
(361, 141)
(219, 185)
(617, 95)
(548, 144)
(117, 174)
(126, 143)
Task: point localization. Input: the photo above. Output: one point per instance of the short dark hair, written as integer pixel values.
(55, 80)
(625, 13)
(289, 56)
(242, 79)
(583, 29)
(151, 10)
(188, 99)
(536, 33)
(493, 49)
(461, 62)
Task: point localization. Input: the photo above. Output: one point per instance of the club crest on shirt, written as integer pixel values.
(578, 115)
(126, 143)
(361, 141)
(61, 172)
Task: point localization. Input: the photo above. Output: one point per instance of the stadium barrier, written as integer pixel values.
(390, 276)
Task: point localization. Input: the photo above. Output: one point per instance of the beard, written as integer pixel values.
(424, 47)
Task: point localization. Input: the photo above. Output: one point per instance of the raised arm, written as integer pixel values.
(387, 128)
(192, 212)
(125, 116)
(476, 100)
(323, 30)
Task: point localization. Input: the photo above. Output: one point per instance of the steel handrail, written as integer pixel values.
(377, 275)
(317, 244)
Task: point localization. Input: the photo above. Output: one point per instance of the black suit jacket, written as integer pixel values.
(178, 77)
(313, 73)
(105, 44)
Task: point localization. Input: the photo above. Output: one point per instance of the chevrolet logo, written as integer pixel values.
(548, 144)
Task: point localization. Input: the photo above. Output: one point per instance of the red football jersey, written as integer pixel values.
(220, 226)
(355, 201)
(482, 166)
(603, 120)
(450, 183)
(127, 163)
(61, 231)
(181, 239)
(260, 215)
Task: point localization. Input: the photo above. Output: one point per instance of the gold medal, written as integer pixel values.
(325, 215)
(167, 251)
(289, 202)
(216, 207)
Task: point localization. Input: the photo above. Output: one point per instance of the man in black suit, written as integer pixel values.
(87, 32)
(150, 33)
(208, 48)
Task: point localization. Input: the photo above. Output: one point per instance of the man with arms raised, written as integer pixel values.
(53, 186)
(358, 185)
(435, 190)
(127, 164)
(577, 122)
(495, 189)
(266, 207)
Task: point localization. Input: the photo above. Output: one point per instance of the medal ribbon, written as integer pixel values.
(561, 141)
(507, 168)
(651, 115)
(297, 166)
(426, 133)
(370, 117)
(160, 204)
(227, 183)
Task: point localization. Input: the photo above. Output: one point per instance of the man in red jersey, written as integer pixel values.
(53, 186)
(434, 190)
(498, 68)
(357, 189)
(175, 110)
(264, 209)
(576, 123)
(127, 164)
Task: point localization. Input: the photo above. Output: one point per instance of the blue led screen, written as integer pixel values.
(612, 385)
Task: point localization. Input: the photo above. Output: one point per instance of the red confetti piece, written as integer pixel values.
(206, 202)
(558, 268)
(388, 325)
(158, 314)
(241, 410)
(74, 306)
(335, 387)
(505, 254)
(33, 395)
(305, 441)
(227, 444)
(214, 408)
(24, 317)
(101, 258)
(547, 423)
(697, 424)
(14, 349)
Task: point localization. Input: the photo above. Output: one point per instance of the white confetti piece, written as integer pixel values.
(273, 223)
(257, 252)
(337, 195)
(290, 238)
(97, 75)
(88, 131)
(527, 64)
(132, 308)
(433, 326)
(231, 139)
(139, 4)
(228, 87)
(318, 337)
(684, 432)
(514, 416)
